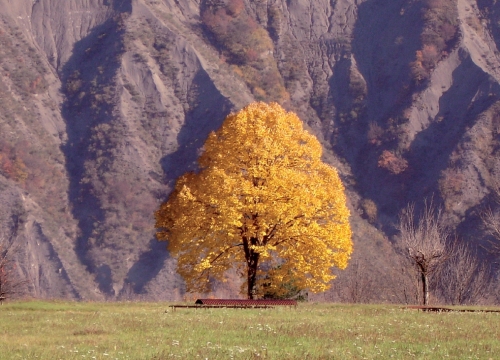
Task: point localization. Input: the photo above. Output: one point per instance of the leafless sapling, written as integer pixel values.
(425, 241)
(491, 218)
(356, 283)
(491, 221)
(464, 278)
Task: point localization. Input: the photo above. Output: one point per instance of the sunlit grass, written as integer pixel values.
(64, 330)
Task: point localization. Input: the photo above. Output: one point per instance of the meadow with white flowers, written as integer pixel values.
(153, 331)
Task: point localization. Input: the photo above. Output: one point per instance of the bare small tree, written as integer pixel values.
(356, 284)
(490, 218)
(464, 279)
(491, 221)
(425, 241)
(11, 284)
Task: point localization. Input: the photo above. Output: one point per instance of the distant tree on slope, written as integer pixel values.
(263, 203)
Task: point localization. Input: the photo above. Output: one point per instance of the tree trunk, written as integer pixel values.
(252, 260)
(425, 288)
(252, 263)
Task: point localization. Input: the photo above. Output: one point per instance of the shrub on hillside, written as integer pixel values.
(439, 33)
(451, 184)
(391, 162)
(248, 47)
(369, 209)
(375, 133)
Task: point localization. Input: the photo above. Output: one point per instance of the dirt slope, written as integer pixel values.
(106, 102)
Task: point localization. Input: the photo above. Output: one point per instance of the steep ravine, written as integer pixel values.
(107, 102)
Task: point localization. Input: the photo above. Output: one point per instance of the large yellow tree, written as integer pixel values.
(263, 203)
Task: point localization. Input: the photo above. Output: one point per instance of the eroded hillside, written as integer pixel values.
(104, 103)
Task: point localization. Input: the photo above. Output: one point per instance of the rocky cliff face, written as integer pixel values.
(106, 102)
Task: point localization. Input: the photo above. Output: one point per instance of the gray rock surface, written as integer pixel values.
(106, 102)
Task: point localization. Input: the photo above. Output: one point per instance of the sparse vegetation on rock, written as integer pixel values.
(104, 104)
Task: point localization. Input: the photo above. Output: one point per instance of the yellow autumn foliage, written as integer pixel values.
(263, 200)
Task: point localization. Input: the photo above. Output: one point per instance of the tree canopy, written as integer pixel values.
(263, 203)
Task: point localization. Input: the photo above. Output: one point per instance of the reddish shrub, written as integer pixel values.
(375, 133)
(430, 55)
(217, 22)
(418, 72)
(451, 182)
(389, 161)
(251, 55)
(235, 7)
(6, 166)
(448, 31)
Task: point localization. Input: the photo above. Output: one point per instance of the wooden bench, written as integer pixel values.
(445, 309)
(238, 304)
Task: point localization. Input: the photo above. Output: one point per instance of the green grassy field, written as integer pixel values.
(66, 330)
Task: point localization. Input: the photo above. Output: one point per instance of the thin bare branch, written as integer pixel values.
(491, 221)
(464, 279)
